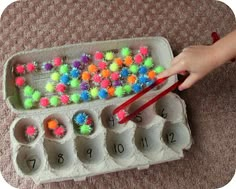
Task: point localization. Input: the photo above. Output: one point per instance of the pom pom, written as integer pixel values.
(97, 78)
(111, 91)
(85, 58)
(44, 102)
(60, 88)
(142, 70)
(148, 62)
(52, 124)
(115, 76)
(28, 91)
(92, 68)
(117, 83)
(138, 59)
(127, 88)
(86, 76)
(119, 92)
(55, 76)
(54, 101)
(137, 87)
(84, 86)
(114, 67)
(74, 83)
(65, 79)
(105, 83)
(128, 60)
(103, 94)
(49, 87)
(105, 73)
(47, 66)
(20, 69)
(63, 69)
(94, 92)
(124, 72)
(28, 103)
(75, 98)
(118, 61)
(102, 65)
(31, 132)
(59, 132)
(20, 81)
(143, 79)
(74, 73)
(109, 56)
(65, 99)
(85, 96)
(36, 96)
(132, 79)
(151, 74)
(98, 55)
(78, 65)
(57, 61)
(125, 52)
(30, 67)
(85, 129)
(143, 50)
(159, 69)
(121, 114)
(134, 68)
(81, 118)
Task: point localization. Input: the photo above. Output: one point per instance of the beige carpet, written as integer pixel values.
(211, 162)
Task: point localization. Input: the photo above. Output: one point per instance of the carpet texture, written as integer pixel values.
(210, 163)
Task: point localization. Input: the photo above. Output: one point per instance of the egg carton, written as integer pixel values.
(158, 134)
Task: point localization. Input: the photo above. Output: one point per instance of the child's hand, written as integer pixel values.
(197, 60)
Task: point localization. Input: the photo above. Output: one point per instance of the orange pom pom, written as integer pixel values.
(86, 76)
(131, 79)
(118, 61)
(105, 73)
(111, 91)
(92, 68)
(151, 74)
(52, 124)
(128, 60)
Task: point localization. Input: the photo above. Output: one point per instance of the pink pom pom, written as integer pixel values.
(20, 69)
(30, 67)
(44, 102)
(96, 78)
(57, 61)
(121, 114)
(20, 81)
(30, 130)
(61, 88)
(65, 99)
(59, 132)
(138, 58)
(102, 65)
(115, 76)
(98, 55)
(143, 50)
(105, 83)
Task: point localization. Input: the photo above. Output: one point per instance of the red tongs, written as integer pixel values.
(141, 93)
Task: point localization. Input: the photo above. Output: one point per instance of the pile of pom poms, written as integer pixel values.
(57, 130)
(83, 123)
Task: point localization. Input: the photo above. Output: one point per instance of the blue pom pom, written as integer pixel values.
(74, 73)
(81, 118)
(143, 79)
(124, 72)
(137, 87)
(143, 70)
(85, 96)
(103, 94)
(65, 79)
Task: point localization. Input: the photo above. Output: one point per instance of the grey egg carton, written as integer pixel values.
(159, 134)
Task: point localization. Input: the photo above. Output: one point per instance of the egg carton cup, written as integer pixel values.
(158, 134)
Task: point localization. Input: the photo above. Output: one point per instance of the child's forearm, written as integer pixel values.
(225, 48)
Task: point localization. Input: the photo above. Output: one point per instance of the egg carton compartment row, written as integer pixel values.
(158, 134)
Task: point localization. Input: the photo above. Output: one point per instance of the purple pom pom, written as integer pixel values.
(85, 58)
(48, 66)
(117, 83)
(77, 64)
(84, 86)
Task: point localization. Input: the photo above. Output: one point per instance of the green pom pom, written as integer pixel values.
(127, 89)
(28, 103)
(50, 87)
(134, 68)
(159, 69)
(114, 67)
(74, 83)
(28, 91)
(54, 101)
(75, 98)
(119, 91)
(85, 129)
(94, 92)
(109, 56)
(125, 52)
(36, 96)
(64, 69)
(55, 76)
(148, 62)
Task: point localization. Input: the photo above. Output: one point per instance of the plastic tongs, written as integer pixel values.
(141, 93)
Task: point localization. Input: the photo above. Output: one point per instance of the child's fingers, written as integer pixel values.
(191, 79)
(174, 69)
